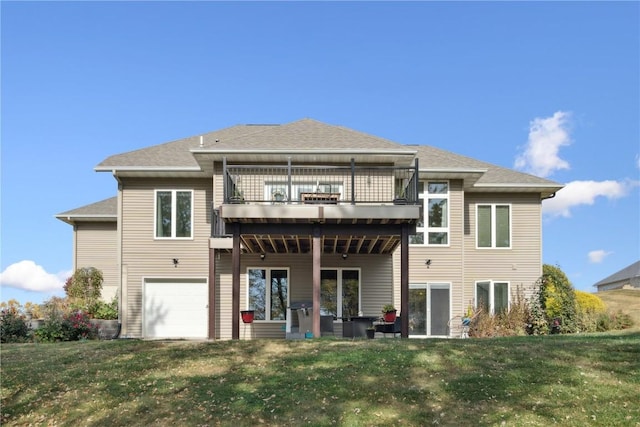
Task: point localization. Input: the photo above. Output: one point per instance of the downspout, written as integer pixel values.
(121, 295)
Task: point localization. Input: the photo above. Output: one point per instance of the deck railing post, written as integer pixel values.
(353, 181)
(289, 196)
(225, 179)
(416, 179)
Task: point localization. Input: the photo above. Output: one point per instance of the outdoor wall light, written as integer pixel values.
(263, 256)
(344, 256)
(427, 263)
(176, 261)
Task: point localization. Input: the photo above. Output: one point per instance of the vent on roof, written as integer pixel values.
(201, 141)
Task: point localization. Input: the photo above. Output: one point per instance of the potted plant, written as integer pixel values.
(247, 316)
(237, 196)
(389, 313)
(400, 198)
(371, 332)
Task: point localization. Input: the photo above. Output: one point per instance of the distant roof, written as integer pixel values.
(626, 273)
(104, 211)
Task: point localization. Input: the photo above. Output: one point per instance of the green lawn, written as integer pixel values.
(569, 380)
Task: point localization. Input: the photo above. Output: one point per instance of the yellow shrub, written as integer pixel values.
(589, 303)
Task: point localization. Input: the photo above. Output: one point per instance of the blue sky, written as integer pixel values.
(551, 88)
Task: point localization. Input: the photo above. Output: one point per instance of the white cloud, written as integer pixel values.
(596, 257)
(578, 193)
(32, 277)
(546, 136)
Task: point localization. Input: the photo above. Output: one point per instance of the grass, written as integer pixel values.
(625, 300)
(569, 380)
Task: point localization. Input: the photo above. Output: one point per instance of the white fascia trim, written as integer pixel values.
(70, 219)
(307, 152)
(115, 169)
(453, 170)
(531, 187)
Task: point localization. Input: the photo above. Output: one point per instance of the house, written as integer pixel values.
(627, 278)
(312, 219)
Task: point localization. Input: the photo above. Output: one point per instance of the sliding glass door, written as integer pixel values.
(430, 309)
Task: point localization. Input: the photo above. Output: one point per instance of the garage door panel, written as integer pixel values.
(175, 310)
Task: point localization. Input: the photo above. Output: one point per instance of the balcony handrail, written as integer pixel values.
(292, 184)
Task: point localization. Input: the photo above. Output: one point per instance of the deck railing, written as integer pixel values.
(304, 184)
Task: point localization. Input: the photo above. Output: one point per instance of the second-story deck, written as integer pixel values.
(360, 208)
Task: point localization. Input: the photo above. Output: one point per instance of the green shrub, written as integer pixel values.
(52, 330)
(537, 323)
(589, 309)
(72, 326)
(13, 326)
(104, 310)
(84, 288)
(558, 300)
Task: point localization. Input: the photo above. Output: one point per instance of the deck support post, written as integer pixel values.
(404, 281)
(235, 283)
(316, 251)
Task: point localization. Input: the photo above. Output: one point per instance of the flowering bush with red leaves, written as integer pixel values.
(73, 326)
(79, 326)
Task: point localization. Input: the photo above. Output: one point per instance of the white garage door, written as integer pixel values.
(175, 309)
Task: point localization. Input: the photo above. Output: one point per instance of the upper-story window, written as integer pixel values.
(493, 226)
(434, 214)
(174, 214)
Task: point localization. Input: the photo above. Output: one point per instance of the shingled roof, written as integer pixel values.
(308, 135)
(304, 135)
(104, 210)
(626, 273)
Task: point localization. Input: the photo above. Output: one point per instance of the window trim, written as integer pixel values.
(494, 229)
(492, 284)
(267, 301)
(424, 197)
(174, 201)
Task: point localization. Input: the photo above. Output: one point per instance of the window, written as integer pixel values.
(492, 296)
(340, 293)
(268, 303)
(174, 211)
(277, 191)
(436, 224)
(493, 226)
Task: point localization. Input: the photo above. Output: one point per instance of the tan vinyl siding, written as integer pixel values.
(375, 286)
(96, 246)
(447, 262)
(145, 256)
(521, 265)
(461, 264)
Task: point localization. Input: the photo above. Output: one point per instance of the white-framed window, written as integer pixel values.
(493, 226)
(268, 293)
(432, 228)
(173, 214)
(493, 296)
(275, 191)
(340, 292)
